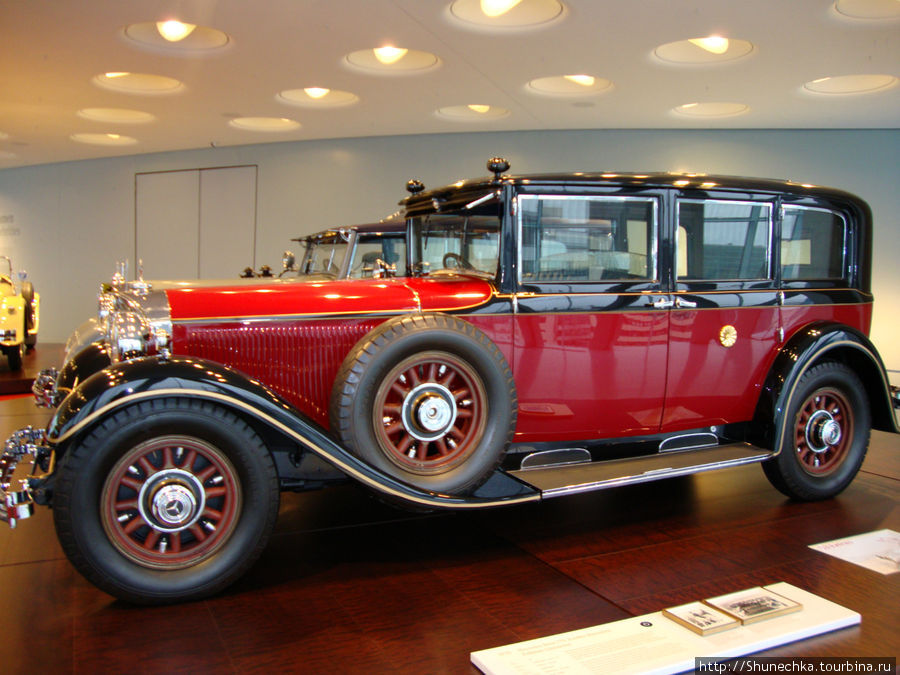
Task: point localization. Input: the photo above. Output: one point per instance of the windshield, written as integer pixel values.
(463, 240)
(374, 251)
(324, 255)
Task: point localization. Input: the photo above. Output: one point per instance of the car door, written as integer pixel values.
(591, 322)
(724, 325)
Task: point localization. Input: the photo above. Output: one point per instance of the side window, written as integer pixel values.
(369, 250)
(587, 238)
(812, 244)
(723, 240)
(468, 238)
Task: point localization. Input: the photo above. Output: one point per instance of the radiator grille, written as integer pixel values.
(297, 360)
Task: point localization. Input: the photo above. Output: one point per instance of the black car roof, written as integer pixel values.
(388, 226)
(682, 181)
(398, 225)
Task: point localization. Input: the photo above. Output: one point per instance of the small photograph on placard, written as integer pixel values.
(754, 604)
(700, 618)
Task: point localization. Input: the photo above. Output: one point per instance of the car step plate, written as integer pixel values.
(569, 479)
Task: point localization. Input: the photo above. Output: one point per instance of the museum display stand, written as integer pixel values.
(656, 644)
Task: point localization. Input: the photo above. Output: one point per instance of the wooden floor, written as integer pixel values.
(349, 585)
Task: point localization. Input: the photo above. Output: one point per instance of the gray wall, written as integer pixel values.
(67, 223)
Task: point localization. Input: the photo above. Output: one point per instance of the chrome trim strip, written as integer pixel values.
(655, 474)
(444, 501)
(712, 441)
(272, 318)
(533, 460)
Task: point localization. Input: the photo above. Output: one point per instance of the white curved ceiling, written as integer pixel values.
(52, 52)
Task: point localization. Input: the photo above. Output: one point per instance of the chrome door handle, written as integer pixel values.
(661, 303)
(682, 303)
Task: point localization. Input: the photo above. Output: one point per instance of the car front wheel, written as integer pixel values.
(166, 501)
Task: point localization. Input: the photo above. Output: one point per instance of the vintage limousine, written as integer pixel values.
(556, 334)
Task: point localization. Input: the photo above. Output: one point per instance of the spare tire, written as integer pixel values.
(428, 399)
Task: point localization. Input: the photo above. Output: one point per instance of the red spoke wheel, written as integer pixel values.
(433, 412)
(427, 399)
(824, 434)
(171, 502)
(165, 501)
(823, 431)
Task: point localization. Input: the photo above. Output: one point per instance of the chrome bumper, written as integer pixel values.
(16, 505)
(44, 388)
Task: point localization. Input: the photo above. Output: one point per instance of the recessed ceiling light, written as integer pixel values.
(163, 36)
(472, 112)
(317, 97)
(174, 30)
(713, 44)
(702, 50)
(264, 124)
(712, 109)
(115, 115)
(868, 9)
(506, 14)
(138, 83)
(103, 139)
(391, 60)
(583, 80)
(494, 8)
(569, 85)
(389, 54)
(851, 84)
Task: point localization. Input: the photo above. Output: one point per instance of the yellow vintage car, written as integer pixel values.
(19, 316)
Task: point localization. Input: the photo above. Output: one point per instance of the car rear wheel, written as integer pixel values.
(30, 319)
(427, 399)
(15, 355)
(826, 435)
(166, 501)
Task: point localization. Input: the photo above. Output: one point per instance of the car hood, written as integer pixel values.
(299, 298)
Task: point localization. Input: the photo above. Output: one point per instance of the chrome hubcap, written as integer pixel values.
(429, 411)
(822, 432)
(173, 500)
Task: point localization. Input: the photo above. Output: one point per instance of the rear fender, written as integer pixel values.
(814, 344)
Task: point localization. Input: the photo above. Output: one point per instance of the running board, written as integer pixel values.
(571, 479)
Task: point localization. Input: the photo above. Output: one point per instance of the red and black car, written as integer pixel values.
(557, 334)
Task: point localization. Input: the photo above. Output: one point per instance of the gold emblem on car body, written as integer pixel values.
(728, 335)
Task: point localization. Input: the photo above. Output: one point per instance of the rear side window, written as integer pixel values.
(813, 243)
(723, 240)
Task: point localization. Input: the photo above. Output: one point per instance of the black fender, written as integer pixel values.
(91, 359)
(130, 382)
(815, 343)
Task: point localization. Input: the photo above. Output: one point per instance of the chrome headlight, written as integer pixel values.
(129, 335)
(134, 321)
